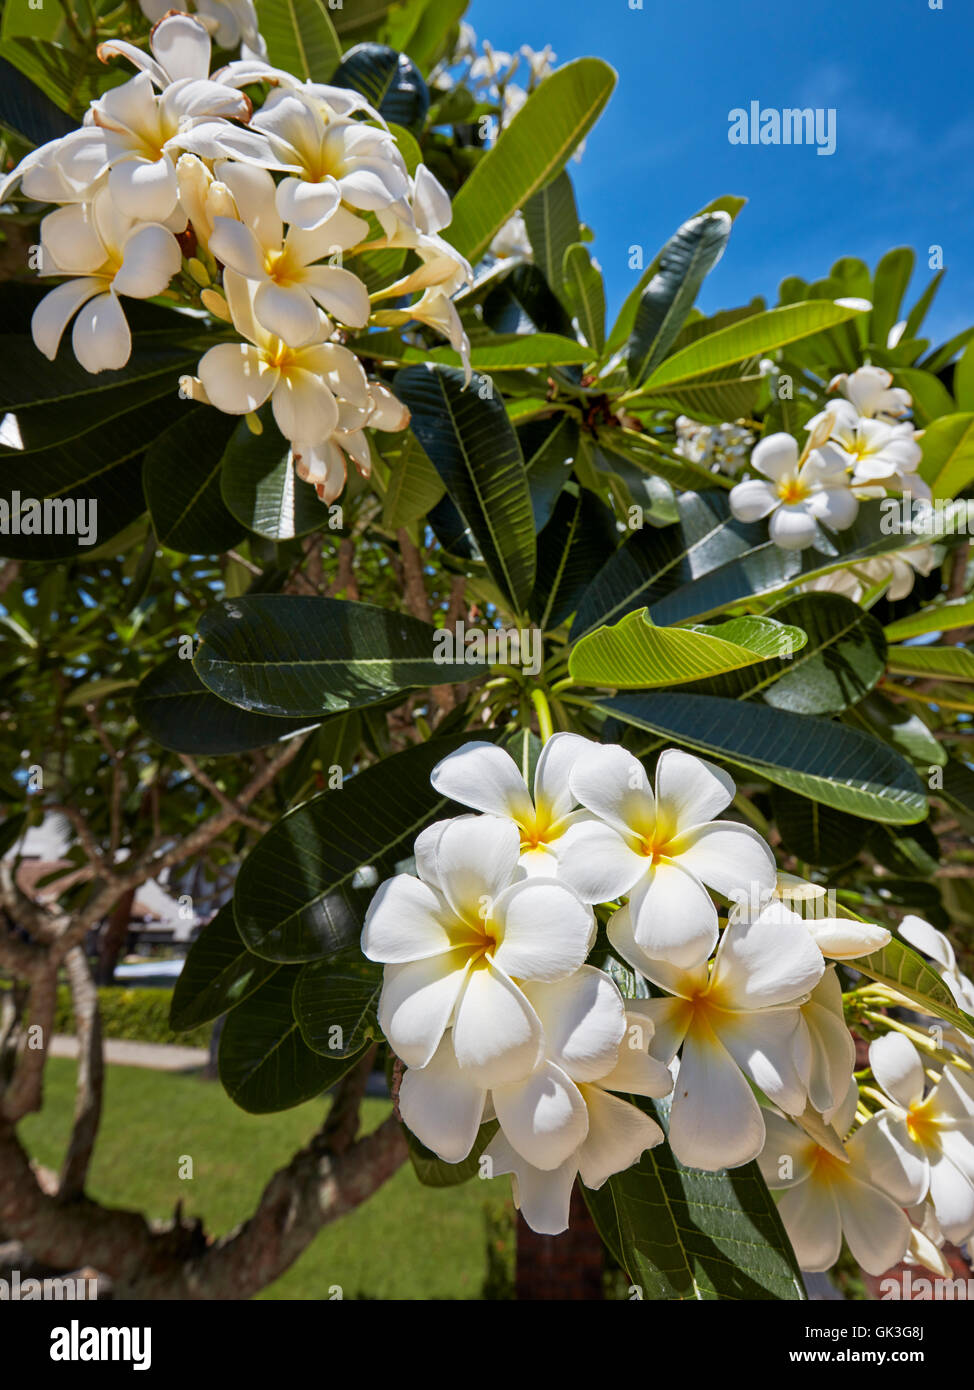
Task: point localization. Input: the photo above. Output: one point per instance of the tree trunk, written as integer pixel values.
(568, 1266)
(113, 938)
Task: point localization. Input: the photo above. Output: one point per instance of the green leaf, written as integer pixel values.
(635, 654)
(752, 337)
(889, 286)
(218, 974)
(666, 301)
(905, 731)
(434, 1172)
(390, 81)
(910, 851)
(259, 485)
(300, 37)
(906, 971)
(572, 545)
(584, 290)
(940, 617)
(175, 708)
(529, 152)
(684, 1234)
(187, 510)
(964, 379)
(431, 38)
(26, 109)
(627, 314)
(842, 660)
(62, 74)
(549, 447)
(948, 455)
(414, 486)
(303, 890)
(472, 445)
(335, 1002)
(953, 663)
(551, 220)
(931, 399)
(815, 833)
(307, 657)
(264, 1063)
(500, 352)
(814, 757)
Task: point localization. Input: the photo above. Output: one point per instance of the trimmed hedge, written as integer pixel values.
(139, 1015)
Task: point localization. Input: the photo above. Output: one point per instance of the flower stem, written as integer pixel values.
(540, 701)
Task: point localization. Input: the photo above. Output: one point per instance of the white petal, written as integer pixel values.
(811, 1218)
(836, 507)
(584, 1022)
(841, 938)
(898, 1069)
(670, 1019)
(340, 293)
(544, 931)
(71, 241)
(788, 1152)
(883, 1149)
(407, 921)
(612, 783)
(303, 406)
(552, 793)
(496, 1034)
(762, 1045)
(237, 247)
(952, 1194)
(543, 1198)
(146, 189)
(689, 790)
(475, 861)
(927, 939)
(544, 1117)
(617, 1134)
(794, 527)
(765, 963)
(151, 258)
(288, 312)
(441, 1105)
(673, 916)
(483, 776)
(253, 192)
(100, 337)
(636, 1072)
(56, 309)
(731, 859)
(182, 46)
(673, 978)
(306, 204)
(877, 1230)
(776, 456)
(595, 861)
(236, 378)
(715, 1120)
(431, 202)
(417, 1001)
(753, 499)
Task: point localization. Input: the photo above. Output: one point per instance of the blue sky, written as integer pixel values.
(897, 73)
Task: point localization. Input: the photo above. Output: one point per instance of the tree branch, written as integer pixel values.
(91, 1076)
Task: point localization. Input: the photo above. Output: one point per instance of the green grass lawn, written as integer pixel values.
(408, 1241)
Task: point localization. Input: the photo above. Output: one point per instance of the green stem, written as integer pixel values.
(540, 701)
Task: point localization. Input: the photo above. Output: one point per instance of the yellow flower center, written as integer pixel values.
(826, 1166)
(791, 490)
(920, 1126)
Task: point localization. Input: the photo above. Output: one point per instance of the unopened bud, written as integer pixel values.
(198, 271)
(254, 423)
(216, 304)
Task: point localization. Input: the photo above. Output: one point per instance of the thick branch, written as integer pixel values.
(91, 1076)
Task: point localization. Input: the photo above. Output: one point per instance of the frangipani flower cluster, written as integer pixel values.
(723, 448)
(176, 186)
(490, 999)
(858, 447)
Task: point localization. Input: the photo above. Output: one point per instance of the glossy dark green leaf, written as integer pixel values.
(815, 833)
(303, 890)
(390, 81)
(335, 1003)
(472, 445)
(551, 220)
(218, 974)
(306, 657)
(908, 973)
(175, 708)
(259, 485)
(181, 476)
(300, 37)
(265, 1065)
(817, 758)
(549, 446)
(433, 1172)
(572, 546)
(584, 289)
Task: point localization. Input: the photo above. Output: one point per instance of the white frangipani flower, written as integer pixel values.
(898, 571)
(872, 393)
(838, 938)
(110, 255)
(331, 159)
(933, 943)
(737, 1022)
(878, 454)
(429, 212)
(459, 942)
(291, 282)
(239, 377)
(800, 492)
(830, 1049)
(486, 778)
(232, 23)
(323, 464)
(436, 309)
(826, 1198)
(661, 848)
(923, 1146)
